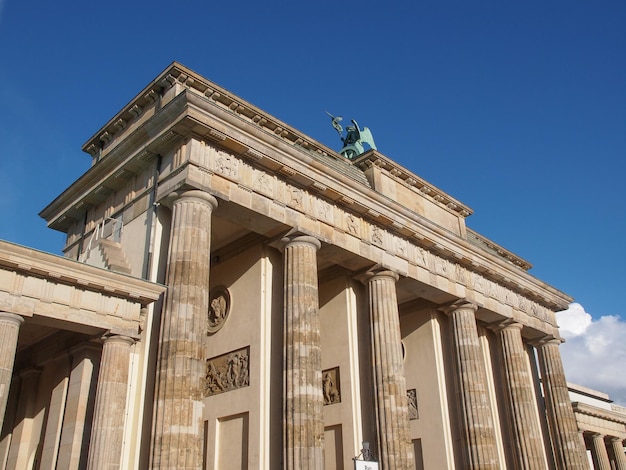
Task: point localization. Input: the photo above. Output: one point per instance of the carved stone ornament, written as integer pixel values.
(411, 396)
(330, 386)
(227, 372)
(226, 164)
(219, 308)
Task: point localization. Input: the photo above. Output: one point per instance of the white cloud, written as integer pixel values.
(573, 321)
(594, 353)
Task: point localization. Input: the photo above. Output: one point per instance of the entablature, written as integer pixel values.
(594, 419)
(419, 186)
(201, 111)
(192, 117)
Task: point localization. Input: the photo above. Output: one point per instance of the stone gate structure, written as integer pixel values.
(312, 303)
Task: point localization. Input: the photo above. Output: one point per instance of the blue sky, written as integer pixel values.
(518, 110)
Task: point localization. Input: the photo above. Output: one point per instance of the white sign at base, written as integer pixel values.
(365, 465)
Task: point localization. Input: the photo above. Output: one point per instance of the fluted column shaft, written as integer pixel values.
(528, 442)
(181, 360)
(107, 431)
(27, 424)
(599, 453)
(617, 450)
(568, 450)
(394, 435)
(81, 391)
(478, 427)
(9, 330)
(304, 420)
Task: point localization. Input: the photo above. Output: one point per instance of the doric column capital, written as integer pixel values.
(547, 340)
(508, 324)
(461, 304)
(176, 197)
(300, 239)
(11, 318)
(373, 274)
(116, 338)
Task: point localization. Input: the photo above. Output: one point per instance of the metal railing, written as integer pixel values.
(110, 228)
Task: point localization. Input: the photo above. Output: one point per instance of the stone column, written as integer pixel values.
(473, 396)
(568, 450)
(9, 329)
(581, 435)
(392, 414)
(528, 442)
(107, 430)
(617, 451)
(57, 374)
(304, 425)
(9, 419)
(28, 422)
(599, 453)
(181, 360)
(81, 391)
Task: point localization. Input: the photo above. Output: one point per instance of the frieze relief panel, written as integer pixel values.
(400, 247)
(296, 198)
(325, 211)
(226, 164)
(352, 224)
(313, 206)
(264, 184)
(227, 372)
(377, 236)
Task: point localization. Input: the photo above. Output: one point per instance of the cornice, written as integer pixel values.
(66, 271)
(179, 74)
(591, 410)
(129, 157)
(477, 239)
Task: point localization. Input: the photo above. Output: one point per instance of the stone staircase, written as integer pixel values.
(113, 256)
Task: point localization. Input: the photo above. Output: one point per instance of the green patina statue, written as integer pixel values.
(355, 138)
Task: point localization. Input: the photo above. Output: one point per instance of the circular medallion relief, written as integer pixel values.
(219, 308)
